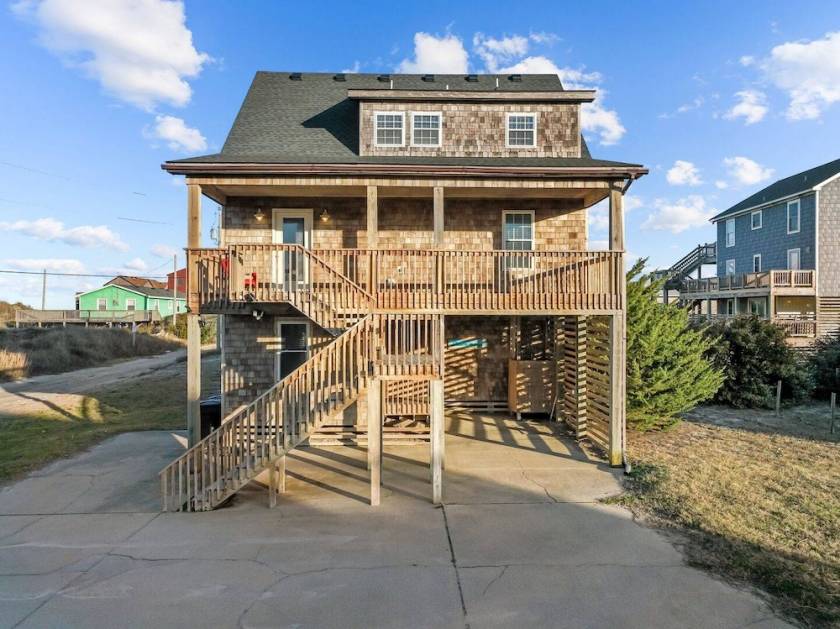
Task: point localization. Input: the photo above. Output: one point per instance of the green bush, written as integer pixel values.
(754, 356)
(825, 366)
(206, 323)
(668, 371)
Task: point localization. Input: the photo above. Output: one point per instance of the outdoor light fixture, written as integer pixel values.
(259, 215)
(325, 217)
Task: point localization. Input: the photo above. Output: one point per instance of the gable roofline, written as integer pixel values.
(562, 96)
(151, 293)
(796, 185)
(121, 286)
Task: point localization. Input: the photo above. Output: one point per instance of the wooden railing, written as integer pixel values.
(793, 325)
(406, 397)
(343, 283)
(25, 317)
(746, 281)
(255, 436)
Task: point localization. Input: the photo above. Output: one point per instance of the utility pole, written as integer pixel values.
(174, 291)
(44, 292)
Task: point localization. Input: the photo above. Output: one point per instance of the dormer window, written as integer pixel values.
(521, 130)
(425, 128)
(389, 129)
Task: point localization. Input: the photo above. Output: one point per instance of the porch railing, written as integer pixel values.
(793, 325)
(746, 281)
(409, 280)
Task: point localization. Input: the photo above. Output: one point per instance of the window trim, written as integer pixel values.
(760, 215)
(798, 216)
(757, 300)
(532, 214)
(133, 304)
(534, 115)
(104, 302)
(758, 257)
(798, 251)
(278, 322)
(726, 267)
(376, 115)
(439, 115)
(730, 307)
(729, 221)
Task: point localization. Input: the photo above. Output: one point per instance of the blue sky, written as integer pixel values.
(717, 99)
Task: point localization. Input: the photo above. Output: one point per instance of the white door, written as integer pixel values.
(793, 259)
(291, 227)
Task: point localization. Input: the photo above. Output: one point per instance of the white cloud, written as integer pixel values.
(546, 39)
(55, 265)
(720, 184)
(632, 202)
(497, 51)
(746, 60)
(809, 71)
(141, 51)
(683, 173)
(680, 215)
(598, 214)
(751, 106)
(443, 55)
(136, 264)
(747, 172)
(178, 136)
(54, 230)
(595, 117)
(164, 251)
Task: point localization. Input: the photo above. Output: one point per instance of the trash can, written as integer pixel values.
(211, 414)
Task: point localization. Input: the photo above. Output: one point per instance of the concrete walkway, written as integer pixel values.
(521, 542)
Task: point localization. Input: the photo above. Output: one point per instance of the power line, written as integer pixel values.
(140, 220)
(55, 273)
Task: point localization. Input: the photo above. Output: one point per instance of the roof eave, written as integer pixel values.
(631, 171)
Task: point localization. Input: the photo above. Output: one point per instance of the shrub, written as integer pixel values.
(753, 355)
(207, 325)
(668, 371)
(825, 366)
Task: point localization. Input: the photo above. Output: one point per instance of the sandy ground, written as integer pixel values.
(522, 541)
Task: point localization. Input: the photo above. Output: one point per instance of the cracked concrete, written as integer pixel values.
(522, 541)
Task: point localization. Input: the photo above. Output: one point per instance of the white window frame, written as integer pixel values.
(279, 321)
(760, 215)
(440, 129)
(132, 303)
(730, 262)
(103, 301)
(729, 221)
(376, 115)
(756, 257)
(531, 114)
(730, 307)
(798, 251)
(798, 216)
(532, 214)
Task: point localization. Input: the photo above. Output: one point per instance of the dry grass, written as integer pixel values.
(35, 351)
(153, 402)
(755, 506)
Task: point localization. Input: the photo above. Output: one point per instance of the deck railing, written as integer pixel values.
(408, 280)
(27, 317)
(747, 281)
(793, 325)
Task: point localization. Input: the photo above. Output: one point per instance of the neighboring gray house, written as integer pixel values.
(778, 255)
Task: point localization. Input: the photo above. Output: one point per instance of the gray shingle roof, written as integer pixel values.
(312, 120)
(789, 186)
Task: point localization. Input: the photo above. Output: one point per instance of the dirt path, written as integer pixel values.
(30, 394)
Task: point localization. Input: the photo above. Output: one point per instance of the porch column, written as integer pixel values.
(372, 217)
(437, 222)
(193, 329)
(618, 339)
(574, 377)
(374, 428)
(437, 419)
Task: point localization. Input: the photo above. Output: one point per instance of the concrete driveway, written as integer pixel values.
(521, 542)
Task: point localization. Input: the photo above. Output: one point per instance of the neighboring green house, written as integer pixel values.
(113, 297)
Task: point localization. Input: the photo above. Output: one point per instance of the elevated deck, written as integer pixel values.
(780, 282)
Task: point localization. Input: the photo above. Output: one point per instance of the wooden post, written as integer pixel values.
(272, 486)
(618, 341)
(372, 217)
(437, 222)
(193, 329)
(574, 376)
(437, 419)
(833, 411)
(281, 475)
(374, 426)
(778, 398)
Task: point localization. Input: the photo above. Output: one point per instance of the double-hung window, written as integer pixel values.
(518, 235)
(102, 304)
(521, 130)
(756, 219)
(389, 128)
(757, 263)
(730, 267)
(793, 259)
(425, 128)
(793, 217)
(131, 304)
(730, 232)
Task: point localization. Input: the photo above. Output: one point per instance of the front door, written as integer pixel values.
(293, 346)
(291, 227)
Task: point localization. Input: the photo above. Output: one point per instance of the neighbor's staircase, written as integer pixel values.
(252, 439)
(688, 264)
